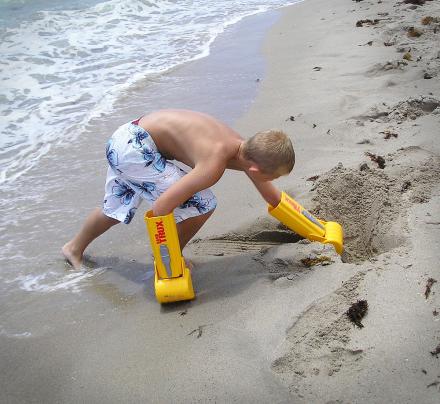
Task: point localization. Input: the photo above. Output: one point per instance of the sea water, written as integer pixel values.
(65, 62)
(70, 72)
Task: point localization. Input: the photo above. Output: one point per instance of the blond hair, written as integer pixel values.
(272, 151)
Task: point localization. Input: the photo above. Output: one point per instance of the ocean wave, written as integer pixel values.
(62, 68)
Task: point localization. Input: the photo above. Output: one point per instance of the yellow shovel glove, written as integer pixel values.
(295, 217)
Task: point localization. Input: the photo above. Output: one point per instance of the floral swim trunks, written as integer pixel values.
(138, 171)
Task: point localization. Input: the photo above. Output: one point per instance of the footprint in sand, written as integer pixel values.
(381, 69)
(249, 240)
(409, 109)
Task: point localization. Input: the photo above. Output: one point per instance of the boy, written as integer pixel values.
(140, 167)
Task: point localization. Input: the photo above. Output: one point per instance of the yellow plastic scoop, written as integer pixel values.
(172, 278)
(295, 217)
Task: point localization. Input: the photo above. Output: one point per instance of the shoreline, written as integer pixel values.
(54, 121)
(57, 182)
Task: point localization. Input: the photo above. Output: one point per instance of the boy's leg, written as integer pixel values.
(96, 224)
(189, 227)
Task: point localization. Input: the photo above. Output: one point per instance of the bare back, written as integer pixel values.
(192, 137)
(206, 145)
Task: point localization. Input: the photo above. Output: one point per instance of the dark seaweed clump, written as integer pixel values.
(357, 312)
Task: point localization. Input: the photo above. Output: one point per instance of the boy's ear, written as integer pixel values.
(254, 169)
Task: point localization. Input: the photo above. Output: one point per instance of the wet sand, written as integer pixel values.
(265, 327)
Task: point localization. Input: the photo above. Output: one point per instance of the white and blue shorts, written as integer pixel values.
(138, 171)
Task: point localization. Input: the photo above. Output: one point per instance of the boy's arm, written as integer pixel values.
(268, 191)
(199, 178)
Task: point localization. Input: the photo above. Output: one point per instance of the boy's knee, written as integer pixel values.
(209, 213)
(111, 221)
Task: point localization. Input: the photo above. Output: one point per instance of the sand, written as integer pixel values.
(265, 327)
(352, 100)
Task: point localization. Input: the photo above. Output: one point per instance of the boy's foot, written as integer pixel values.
(73, 259)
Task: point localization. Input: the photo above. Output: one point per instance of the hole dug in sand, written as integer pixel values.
(371, 204)
(368, 207)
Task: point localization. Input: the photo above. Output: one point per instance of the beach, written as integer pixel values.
(355, 84)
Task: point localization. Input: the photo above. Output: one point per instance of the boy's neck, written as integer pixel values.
(239, 162)
(239, 154)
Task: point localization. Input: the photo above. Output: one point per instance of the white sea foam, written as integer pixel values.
(25, 334)
(51, 281)
(54, 281)
(64, 67)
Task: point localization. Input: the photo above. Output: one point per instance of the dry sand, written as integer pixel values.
(265, 327)
(362, 104)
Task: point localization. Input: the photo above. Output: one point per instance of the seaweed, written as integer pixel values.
(199, 330)
(436, 351)
(322, 260)
(428, 20)
(357, 312)
(416, 2)
(377, 159)
(313, 178)
(367, 22)
(430, 282)
(414, 32)
(389, 134)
